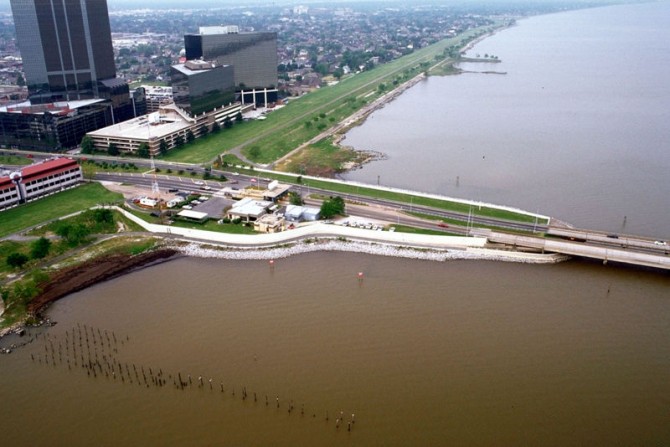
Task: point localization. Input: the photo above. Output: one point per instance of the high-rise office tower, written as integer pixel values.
(252, 55)
(66, 46)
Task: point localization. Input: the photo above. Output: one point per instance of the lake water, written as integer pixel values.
(576, 129)
(423, 353)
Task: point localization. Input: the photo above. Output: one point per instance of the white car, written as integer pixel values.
(661, 243)
(199, 183)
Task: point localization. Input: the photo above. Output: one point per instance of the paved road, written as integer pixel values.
(386, 207)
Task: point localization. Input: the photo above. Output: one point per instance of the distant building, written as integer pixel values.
(38, 180)
(157, 96)
(199, 86)
(252, 55)
(52, 127)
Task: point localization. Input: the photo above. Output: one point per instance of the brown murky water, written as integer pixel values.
(423, 353)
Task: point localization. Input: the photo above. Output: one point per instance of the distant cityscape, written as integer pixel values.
(256, 55)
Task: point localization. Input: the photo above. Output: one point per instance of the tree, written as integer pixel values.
(227, 123)
(73, 234)
(143, 150)
(189, 136)
(163, 147)
(216, 127)
(179, 141)
(40, 248)
(87, 145)
(295, 198)
(332, 207)
(4, 293)
(238, 117)
(20, 81)
(103, 215)
(112, 149)
(17, 260)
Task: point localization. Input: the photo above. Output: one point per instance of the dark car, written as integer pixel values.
(613, 236)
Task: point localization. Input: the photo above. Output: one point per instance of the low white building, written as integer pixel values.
(249, 209)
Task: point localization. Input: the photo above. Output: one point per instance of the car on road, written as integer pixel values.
(660, 243)
(613, 236)
(173, 190)
(443, 225)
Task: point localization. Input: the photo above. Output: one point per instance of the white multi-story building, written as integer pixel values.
(38, 180)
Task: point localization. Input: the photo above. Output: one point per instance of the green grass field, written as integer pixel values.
(55, 206)
(14, 160)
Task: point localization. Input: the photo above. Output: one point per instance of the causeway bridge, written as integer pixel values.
(625, 249)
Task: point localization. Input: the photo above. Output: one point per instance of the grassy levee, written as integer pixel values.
(55, 206)
(285, 129)
(407, 199)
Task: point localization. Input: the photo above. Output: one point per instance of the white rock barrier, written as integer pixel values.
(329, 237)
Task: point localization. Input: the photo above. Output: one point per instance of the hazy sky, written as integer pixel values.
(180, 4)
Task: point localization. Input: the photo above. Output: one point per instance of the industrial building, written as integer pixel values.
(249, 209)
(38, 180)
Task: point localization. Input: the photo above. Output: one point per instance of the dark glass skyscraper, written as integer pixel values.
(253, 55)
(66, 46)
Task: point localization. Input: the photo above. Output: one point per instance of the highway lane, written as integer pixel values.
(243, 181)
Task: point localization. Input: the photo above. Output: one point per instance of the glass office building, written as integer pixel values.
(66, 46)
(253, 55)
(199, 86)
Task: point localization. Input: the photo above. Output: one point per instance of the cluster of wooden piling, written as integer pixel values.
(95, 351)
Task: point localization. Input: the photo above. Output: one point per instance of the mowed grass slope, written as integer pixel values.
(55, 206)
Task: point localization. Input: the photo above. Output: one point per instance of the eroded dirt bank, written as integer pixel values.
(77, 278)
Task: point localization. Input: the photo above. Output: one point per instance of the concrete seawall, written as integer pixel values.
(334, 237)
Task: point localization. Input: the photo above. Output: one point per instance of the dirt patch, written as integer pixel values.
(92, 272)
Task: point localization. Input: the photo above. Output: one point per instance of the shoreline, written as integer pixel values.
(359, 117)
(74, 279)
